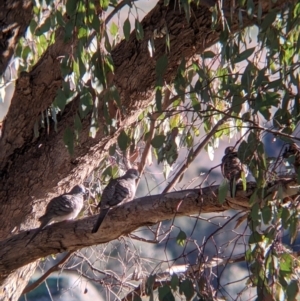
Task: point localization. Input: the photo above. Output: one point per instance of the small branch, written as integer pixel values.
(116, 9)
(195, 154)
(164, 277)
(55, 268)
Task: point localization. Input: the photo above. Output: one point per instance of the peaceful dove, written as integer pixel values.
(117, 192)
(64, 207)
(293, 150)
(232, 168)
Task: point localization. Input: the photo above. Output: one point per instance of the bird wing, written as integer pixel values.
(117, 191)
(61, 206)
(123, 192)
(108, 194)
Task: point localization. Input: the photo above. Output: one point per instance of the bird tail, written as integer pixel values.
(100, 219)
(33, 236)
(44, 222)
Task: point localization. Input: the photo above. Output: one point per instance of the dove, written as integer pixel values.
(232, 168)
(118, 191)
(64, 207)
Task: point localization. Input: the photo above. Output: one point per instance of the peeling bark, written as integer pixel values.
(32, 170)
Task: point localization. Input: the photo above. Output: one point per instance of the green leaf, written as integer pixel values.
(223, 190)
(208, 55)
(107, 42)
(123, 141)
(174, 282)
(68, 30)
(104, 4)
(112, 149)
(95, 23)
(292, 290)
(59, 18)
(32, 26)
(186, 287)
(255, 213)
(139, 31)
(266, 214)
(165, 294)
(268, 20)
(161, 65)
(71, 7)
(243, 55)
(60, 100)
(181, 238)
(158, 141)
(44, 27)
(237, 102)
(149, 285)
(286, 263)
(114, 29)
(255, 238)
(69, 140)
(78, 125)
(250, 8)
(158, 99)
(127, 29)
(187, 9)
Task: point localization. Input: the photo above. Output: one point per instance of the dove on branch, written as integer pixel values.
(64, 207)
(118, 191)
(232, 168)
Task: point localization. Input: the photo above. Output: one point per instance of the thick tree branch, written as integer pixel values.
(123, 220)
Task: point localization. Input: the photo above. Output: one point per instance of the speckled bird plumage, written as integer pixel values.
(232, 168)
(293, 150)
(64, 207)
(118, 191)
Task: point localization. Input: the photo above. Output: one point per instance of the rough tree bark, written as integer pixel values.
(33, 170)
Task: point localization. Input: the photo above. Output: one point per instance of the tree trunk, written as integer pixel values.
(33, 170)
(15, 16)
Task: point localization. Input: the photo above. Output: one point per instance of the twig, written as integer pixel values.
(167, 101)
(116, 9)
(55, 268)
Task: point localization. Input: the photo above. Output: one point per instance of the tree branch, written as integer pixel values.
(54, 268)
(124, 219)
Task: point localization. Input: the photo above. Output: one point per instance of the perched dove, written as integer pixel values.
(118, 191)
(232, 168)
(64, 207)
(293, 150)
